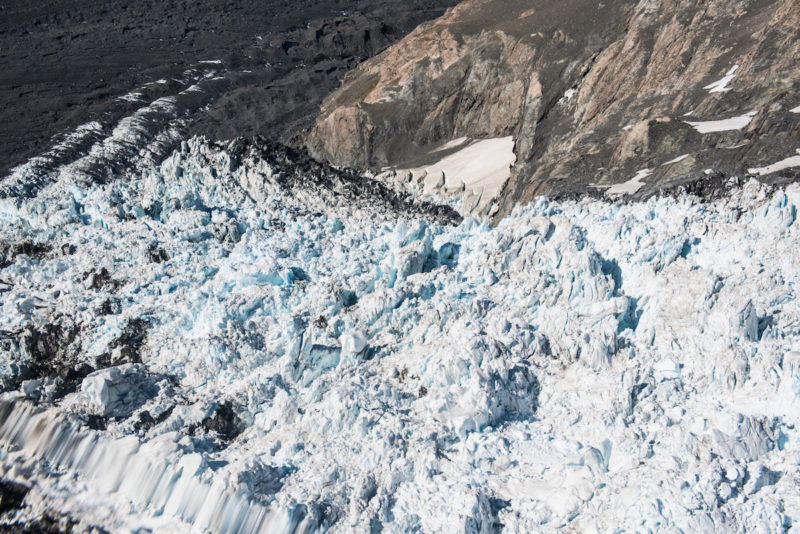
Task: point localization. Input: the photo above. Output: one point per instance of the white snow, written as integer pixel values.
(476, 173)
(567, 96)
(631, 186)
(795, 110)
(676, 160)
(585, 365)
(792, 161)
(721, 86)
(131, 97)
(733, 123)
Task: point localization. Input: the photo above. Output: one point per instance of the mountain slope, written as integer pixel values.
(264, 66)
(592, 93)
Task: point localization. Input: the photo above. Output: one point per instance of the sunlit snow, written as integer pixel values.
(721, 85)
(733, 123)
(585, 365)
(676, 160)
(631, 186)
(475, 173)
(792, 161)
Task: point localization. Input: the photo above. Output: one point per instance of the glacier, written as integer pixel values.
(217, 344)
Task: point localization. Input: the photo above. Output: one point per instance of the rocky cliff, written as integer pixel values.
(621, 97)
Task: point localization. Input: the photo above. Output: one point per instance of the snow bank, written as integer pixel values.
(721, 85)
(631, 186)
(475, 173)
(788, 163)
(724, 125)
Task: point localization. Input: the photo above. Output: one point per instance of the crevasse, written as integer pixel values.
(302, 363)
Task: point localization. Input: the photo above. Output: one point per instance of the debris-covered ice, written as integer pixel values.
(202, 346)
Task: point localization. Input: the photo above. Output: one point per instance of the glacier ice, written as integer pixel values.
(226, 353)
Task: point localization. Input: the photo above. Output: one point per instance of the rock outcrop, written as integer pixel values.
(650, 94)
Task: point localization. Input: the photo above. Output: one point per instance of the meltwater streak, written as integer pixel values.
(154, 475)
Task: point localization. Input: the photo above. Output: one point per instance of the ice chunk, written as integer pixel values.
(760, 477)
(745, 438)
(667, 369)
(353, 342)
(746, 322)
(113, 391)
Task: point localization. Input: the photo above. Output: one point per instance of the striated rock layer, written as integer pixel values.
(593, 93)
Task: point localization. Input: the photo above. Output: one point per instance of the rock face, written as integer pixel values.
(593, 94)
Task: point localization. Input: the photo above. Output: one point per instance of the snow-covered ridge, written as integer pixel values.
(296, 355)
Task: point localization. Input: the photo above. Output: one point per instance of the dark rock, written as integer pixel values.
(130, 341)
(10, 251)
(156, 254)
(51, 350)
(11, 495)
(225, 423)
(98, 279)
(276, 66)
(146, 421)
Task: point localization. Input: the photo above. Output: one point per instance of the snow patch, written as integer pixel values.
(733, 123)
(631, 186)
(475, 174)
(676, 160)
(568, 95)
(721, 85)
(792, 161)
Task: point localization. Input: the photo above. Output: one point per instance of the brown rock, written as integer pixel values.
(591, 92)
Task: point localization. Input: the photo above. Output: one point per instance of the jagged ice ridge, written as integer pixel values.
(264, 358)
